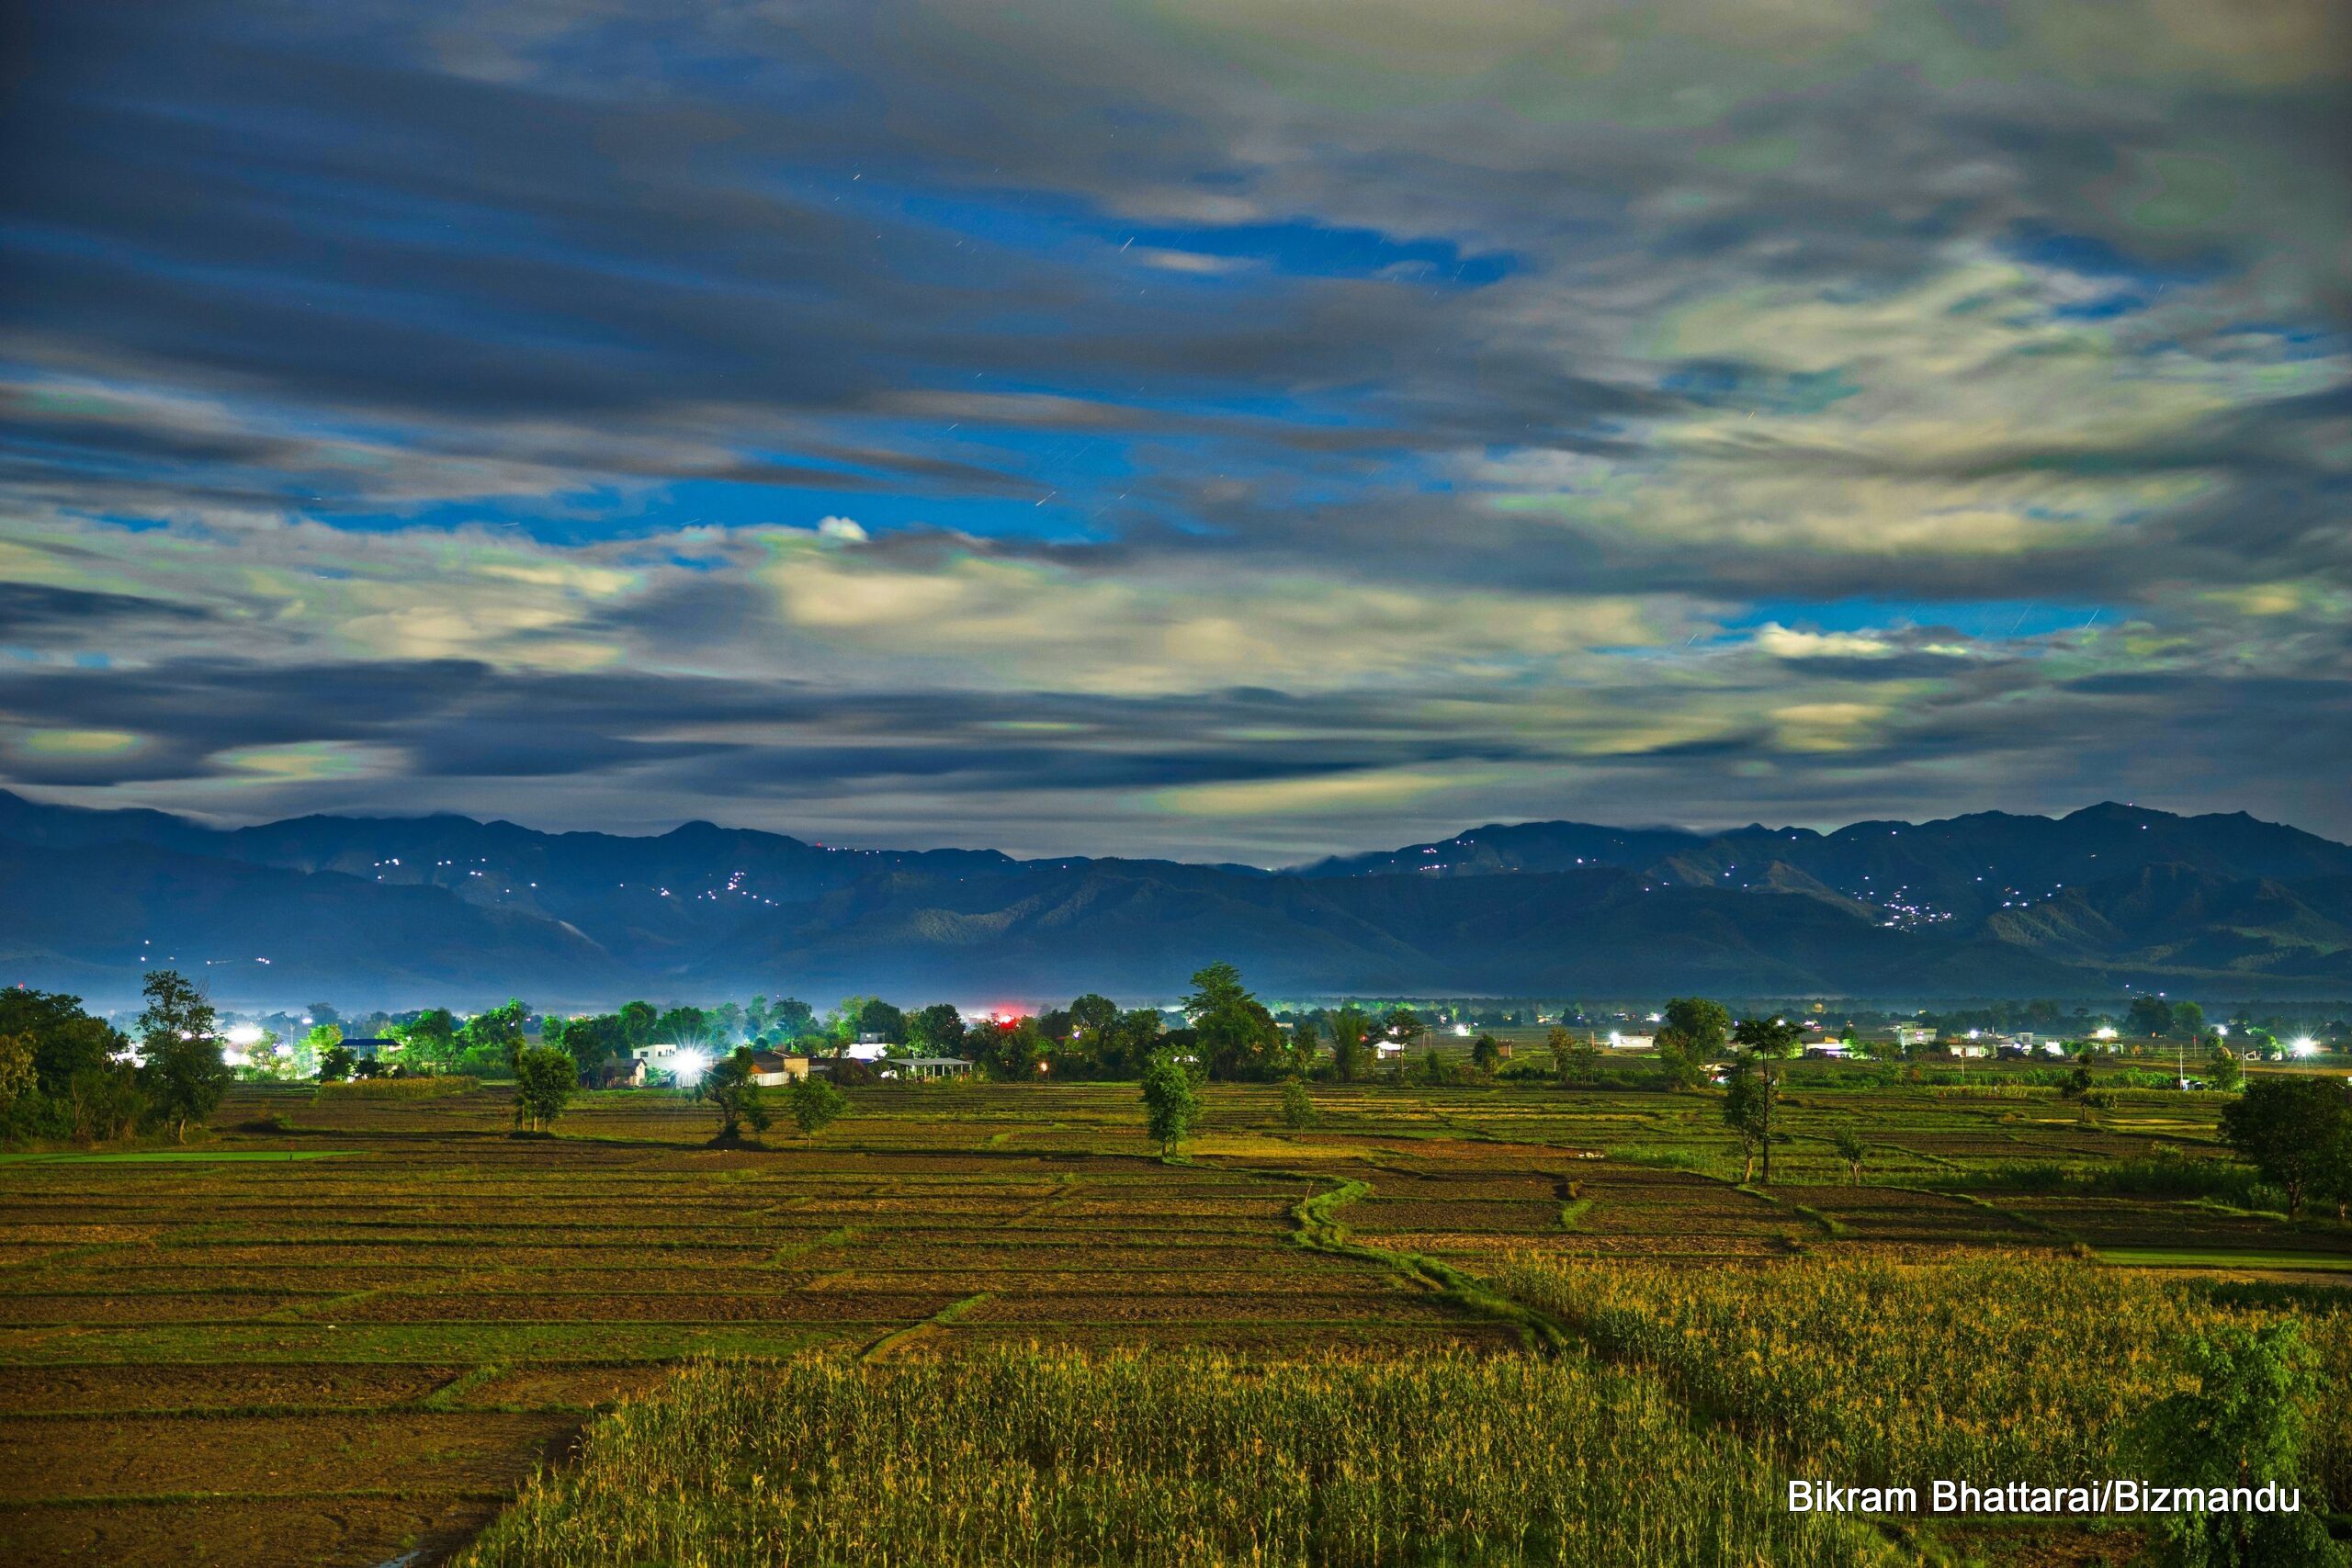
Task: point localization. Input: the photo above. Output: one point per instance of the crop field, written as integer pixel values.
(347, 1327)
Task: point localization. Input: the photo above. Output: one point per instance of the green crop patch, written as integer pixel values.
(377, 1348)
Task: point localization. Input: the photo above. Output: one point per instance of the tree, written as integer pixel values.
(1237, 1037)
(813, 1103)
(2224, 1068)
(1127, 1042)
(1853, 1150)
(322, 1038)
(728, 1087)
(1171, 1101)
(1575, 1058)
(495, 1034)
(2245, 1423)
(65, 1039)
(882, 1020)
(180, 1035)
(682, 1026)
(1304, 1044)
(1705, 1026)
(1680, 1063)
(1486, 1054)
(1745, 1114)
(937, 1029)
(103, 1102)
(335, 1063)
(2291, 1130)
(18, 1077)
(1092, 1013)
(1767, 1042)
(792, 1018)
(1351, 1057)
(2188, 1019)
(1404, 1025)
(545, 1078)
(2151, 1016)
(1298, 1106)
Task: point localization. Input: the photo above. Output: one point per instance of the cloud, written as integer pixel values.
(1233, 425)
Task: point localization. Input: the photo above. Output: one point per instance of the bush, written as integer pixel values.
(2243, 1425)
(1298, 1106)
(813, 1104)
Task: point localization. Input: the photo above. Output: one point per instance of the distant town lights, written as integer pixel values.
(244, 1034)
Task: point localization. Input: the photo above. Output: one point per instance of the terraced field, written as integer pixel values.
(346, 1327)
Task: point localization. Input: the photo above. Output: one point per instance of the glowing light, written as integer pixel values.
(2303, 1045)
(690, 1066)
(2105, 1032)
(244, 1034)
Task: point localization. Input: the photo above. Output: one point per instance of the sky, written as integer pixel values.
(1232, 429)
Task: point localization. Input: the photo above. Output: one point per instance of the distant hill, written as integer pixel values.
(444, 908)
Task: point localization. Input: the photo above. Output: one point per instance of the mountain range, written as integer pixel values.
(445, 909)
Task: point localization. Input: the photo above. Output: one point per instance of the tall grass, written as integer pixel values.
(1892, 1373)
(2165, 1173)
(1046, 1458)
(431, 1087)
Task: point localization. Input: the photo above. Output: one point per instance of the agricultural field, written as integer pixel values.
(349, 1326)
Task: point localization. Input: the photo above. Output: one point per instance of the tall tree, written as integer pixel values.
(1766, 1043)
(545, 1078)
(1351, 1030)
(728, 1087)
(1237, 1037)
(180, 1036)
(497, 1030)
(1092, 1013)
(792, 1018)
(880, 1019)
(2151, 1016)
(1171, 1101)
(1746, 1112)
(1705, 1026)
(937, 1029)
(1574, 1057)
(2295, 1131)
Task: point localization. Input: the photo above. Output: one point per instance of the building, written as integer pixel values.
(1912, 1035)
(630, 1074)
(369, 1047)
(922, 1068)
(771, 1069)
(1620, 1041)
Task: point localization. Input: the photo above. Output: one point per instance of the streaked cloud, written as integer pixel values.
(1228, 427)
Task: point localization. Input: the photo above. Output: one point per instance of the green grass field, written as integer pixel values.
(243, 1352)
